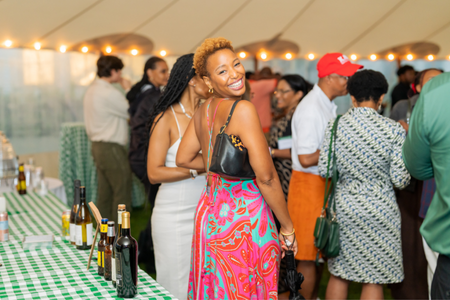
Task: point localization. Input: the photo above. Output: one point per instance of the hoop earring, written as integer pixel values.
(211, 90)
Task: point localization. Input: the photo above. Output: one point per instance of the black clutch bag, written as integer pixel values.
(230, 157)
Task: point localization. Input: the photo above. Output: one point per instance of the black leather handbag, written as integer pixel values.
(230, 157)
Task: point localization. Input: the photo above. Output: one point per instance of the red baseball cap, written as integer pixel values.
(336, 63)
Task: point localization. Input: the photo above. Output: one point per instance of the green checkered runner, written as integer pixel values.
(57, 273)
(76, 162)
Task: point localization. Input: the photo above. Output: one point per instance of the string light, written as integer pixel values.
(242, 54)
(391, 56)
(263, 55)
(409, 57)
(373, 57)
(8, 43)
(430, 57)
(108, 49)
(134, 52)
(37, 46)
(162, 53)
(84, 49)
(288, 55)
(353, 57)
(62, 49)
(311, 56)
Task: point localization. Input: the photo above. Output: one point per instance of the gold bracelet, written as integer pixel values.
(293, 231)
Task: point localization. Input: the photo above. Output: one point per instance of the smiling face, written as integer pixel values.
(226, 75)
(286, 96)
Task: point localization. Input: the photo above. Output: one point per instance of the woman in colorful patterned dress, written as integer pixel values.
(369, 161)
(236, 248)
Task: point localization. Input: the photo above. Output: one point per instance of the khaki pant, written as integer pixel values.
(113, 176)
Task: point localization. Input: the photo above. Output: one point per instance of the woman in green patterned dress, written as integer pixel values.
(368, 153)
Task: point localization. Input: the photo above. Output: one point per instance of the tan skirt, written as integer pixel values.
(305, 202)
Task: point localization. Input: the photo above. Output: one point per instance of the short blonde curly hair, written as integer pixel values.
(206, 49)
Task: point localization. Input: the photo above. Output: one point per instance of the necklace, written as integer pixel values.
(184, 111)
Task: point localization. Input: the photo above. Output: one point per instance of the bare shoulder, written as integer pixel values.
(245, 109)
(163, 120)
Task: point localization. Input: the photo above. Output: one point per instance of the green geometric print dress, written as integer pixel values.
(370, 164)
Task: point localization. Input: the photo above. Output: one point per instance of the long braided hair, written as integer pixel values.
(182, 72)
(136, 89)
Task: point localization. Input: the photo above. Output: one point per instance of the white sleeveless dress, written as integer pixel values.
(173, 227)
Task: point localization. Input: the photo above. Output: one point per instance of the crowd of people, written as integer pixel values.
(220, 236)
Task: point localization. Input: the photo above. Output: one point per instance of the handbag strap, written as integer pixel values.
(330, 189)
(210, 129)
(229, 116)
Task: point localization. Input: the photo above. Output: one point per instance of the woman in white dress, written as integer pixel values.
(177, 198)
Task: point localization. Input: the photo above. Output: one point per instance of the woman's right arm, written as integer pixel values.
(248, 127)
(158, 146)
(400, 176)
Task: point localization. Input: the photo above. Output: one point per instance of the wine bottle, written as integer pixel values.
(120, 209)
(73, 213)
(101, 247)
(126, 261)
(110, 239)
(83, 224)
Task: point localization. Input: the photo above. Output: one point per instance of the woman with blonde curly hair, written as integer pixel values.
(236, 248)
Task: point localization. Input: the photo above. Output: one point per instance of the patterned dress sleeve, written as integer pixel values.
(400, 176)
(324, 149)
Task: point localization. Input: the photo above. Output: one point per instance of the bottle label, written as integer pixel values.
(99, 258)
(79, 235)
(113, 268)
(3, 225)
(22, 185)
(119, 278)
(104, 228)
(72, 232)
(89, 234)
(119, 217)
(103, 259)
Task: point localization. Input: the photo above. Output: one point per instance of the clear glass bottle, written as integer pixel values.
(73, 213)
(83, 224)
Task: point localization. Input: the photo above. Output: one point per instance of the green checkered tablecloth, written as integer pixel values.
(76, 162)
(57, 273)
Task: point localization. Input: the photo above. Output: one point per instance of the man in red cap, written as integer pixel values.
(306, 188)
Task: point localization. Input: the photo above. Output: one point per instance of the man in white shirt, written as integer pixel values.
(106, 118)
(306, 189)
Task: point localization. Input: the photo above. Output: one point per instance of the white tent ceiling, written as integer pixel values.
(362, 27)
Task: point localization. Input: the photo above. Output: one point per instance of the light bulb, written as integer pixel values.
(311, 56)
(162, 53)
(409, 57)
(430, 57)
(84, 49)
(288, 55)
(62, 49)
(242, 54)
(353, 57)
(37, 46)
(373, 57)
(391, 56)
(8, 43)
(263, 55)
(134, 52)
(108, 49)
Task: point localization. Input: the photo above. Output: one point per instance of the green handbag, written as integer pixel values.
(326, 231)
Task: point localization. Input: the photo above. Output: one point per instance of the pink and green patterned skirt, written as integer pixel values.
(235, 248)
